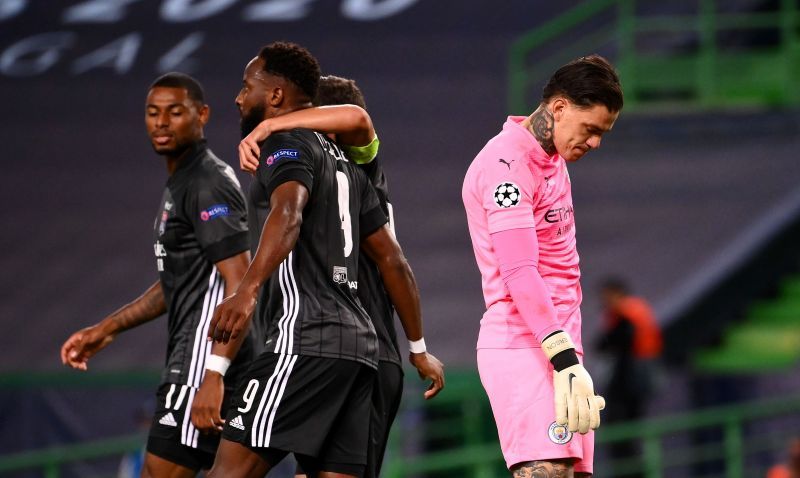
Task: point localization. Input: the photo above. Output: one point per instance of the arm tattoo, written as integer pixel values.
(144, 309)
(542, 469)
(542, 129)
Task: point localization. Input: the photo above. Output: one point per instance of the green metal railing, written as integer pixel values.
(51, 460)
(459, 426)
(708, 76)
(522, 76)
(484, 460)
(71, 379)
(767, 340)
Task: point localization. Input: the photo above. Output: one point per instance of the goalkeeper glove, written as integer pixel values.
(576, 404)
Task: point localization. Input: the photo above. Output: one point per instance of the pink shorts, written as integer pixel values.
(520, 388)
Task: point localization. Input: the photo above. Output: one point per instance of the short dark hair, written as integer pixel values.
(294, 63)
(181, 80)
(586, 81)
(335, 90)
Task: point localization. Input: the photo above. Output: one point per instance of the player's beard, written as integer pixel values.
(256, 115)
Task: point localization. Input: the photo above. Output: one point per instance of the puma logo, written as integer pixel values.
(506, 163)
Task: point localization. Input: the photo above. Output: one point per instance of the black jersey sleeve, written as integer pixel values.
(371, 216)
(219, 217)
(285, 158)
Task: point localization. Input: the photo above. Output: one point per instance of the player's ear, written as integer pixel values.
(557, 107)
(275, 97)
(205, 114)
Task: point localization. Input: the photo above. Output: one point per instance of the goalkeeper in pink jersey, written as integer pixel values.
(518, 199)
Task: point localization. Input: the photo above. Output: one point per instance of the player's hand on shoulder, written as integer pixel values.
(207, 404)
(249, 150)
(82, 345)
(429, 368)
(232, 317)
(576, 404)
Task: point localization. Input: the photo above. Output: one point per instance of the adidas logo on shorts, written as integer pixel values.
(237, 423)
(168, 420)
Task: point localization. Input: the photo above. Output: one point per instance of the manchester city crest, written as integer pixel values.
(559, 434)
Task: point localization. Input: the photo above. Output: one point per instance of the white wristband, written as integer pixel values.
(217, 363)
(417, 346)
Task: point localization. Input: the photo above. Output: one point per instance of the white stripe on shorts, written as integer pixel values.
(270, 400)
(168, 403)
(188, 432)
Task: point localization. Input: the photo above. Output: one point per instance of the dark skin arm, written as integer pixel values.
(207, 404)
(350, 123)
(278, 237)
(85, 343)
(398, 279)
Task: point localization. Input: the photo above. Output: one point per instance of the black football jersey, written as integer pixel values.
(309, 306)
(201, 221)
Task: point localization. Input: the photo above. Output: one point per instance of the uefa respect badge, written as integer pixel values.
(282, 154)
(217, 210)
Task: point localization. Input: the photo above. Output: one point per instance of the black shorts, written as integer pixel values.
(172, 435)
(385, 403)
(386, 397)
(314, 407)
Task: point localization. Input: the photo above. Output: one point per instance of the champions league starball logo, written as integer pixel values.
(506, 195)
(559, 434)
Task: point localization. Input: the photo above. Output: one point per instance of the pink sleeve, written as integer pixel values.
(508, 197)
(517, 253)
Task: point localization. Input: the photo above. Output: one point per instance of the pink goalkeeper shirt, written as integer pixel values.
(513, 184)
